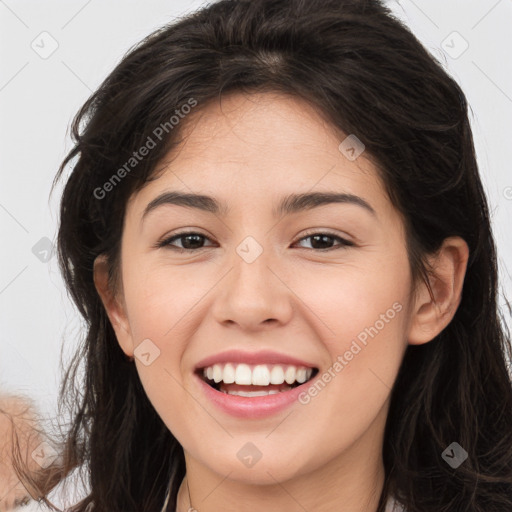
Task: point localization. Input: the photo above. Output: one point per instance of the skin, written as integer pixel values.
(23, 415)
(294, 299)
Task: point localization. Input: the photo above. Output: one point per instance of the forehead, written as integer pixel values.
(261, 127)
(262, 146)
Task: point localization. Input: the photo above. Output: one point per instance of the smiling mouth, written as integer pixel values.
(251, 389)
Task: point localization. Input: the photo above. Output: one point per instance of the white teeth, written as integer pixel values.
(252, 393)
(258, 375)
(217, 372)
(261, 375)
(301, 375)
(289, 375)
(277, 375)
(243, 374)
(229, 374)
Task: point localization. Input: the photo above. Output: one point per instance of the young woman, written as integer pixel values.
(277, 234)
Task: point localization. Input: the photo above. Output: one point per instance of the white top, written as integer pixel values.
(393, 506)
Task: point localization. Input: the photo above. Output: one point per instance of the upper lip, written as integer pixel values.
(261, 357)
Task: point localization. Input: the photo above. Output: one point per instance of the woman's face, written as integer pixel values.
(256, 279)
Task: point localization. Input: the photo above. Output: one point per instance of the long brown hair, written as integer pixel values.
(364, 70)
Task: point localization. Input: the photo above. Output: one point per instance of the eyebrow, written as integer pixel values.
(293, 203)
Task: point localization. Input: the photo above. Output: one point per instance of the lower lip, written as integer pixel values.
(252, 407)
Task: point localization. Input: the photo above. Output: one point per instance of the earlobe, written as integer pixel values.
(430, 317)
(114, 308)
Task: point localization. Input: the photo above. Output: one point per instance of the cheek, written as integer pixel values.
(160, 298)
(157, 311)
(361, 316)
(354, 301)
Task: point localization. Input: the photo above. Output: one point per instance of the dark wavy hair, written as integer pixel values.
(363, 70)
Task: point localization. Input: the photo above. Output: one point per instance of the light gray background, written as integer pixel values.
(39, 96)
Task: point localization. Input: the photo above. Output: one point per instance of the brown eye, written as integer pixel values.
(190, 241)
(323, 241)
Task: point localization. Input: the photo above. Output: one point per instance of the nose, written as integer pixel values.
(255, 295)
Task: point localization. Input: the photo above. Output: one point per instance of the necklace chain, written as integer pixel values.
(191, 508)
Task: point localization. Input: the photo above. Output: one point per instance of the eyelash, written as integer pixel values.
(167, 242)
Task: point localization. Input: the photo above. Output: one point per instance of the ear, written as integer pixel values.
(114, 305)
(430, 317)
